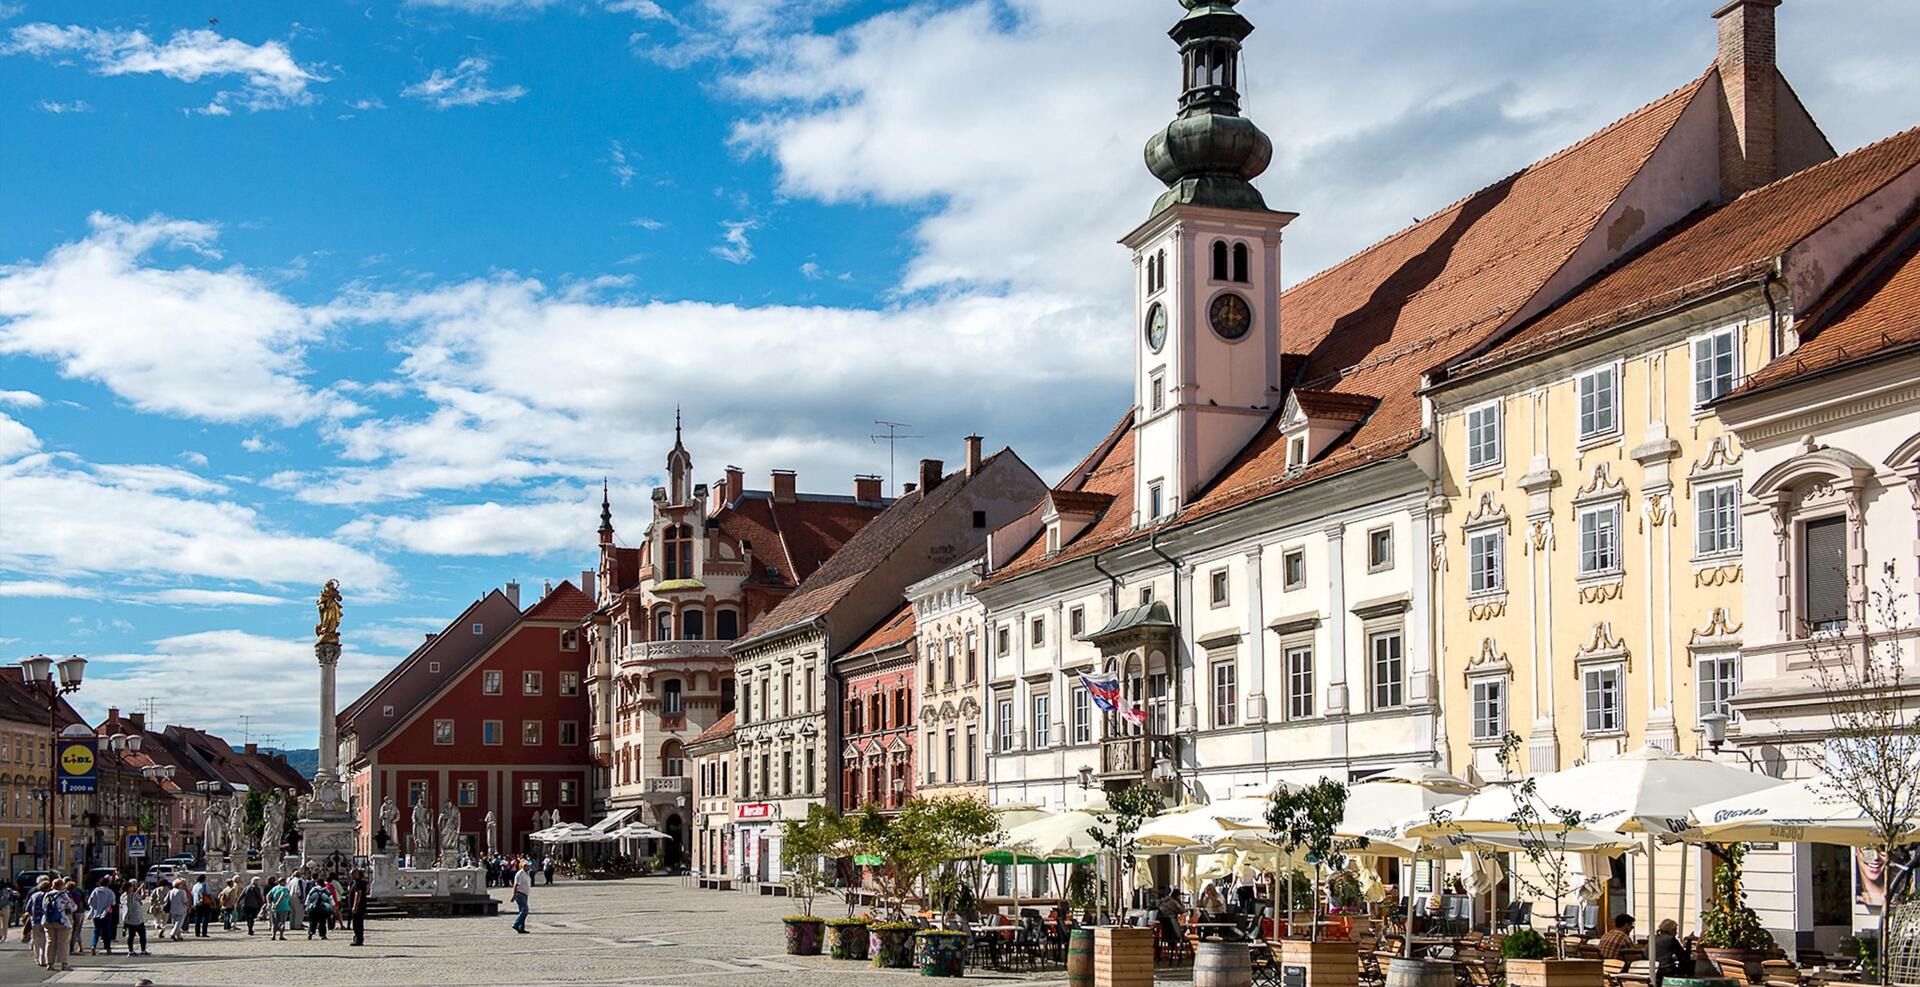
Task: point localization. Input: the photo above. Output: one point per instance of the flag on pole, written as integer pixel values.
(1105, 692)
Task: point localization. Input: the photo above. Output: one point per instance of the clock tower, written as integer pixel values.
(1206, 276)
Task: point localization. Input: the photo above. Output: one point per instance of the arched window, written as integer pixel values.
(670, 697)
(1153, 283)
(673, 759)
(663, 624)
(1218, 58)
(1219, 260)
(1160, 267)
(1241, 263)
(726, 625)
(693, 625)
(677, 552)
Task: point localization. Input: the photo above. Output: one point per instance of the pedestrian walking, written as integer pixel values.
(204, 904)
(9, 900)
(251, 901)
(36, 927)
(522, 888)
(76, 914)
(229, 903)
(179, 909)
(297, 886)
(58, 914)
(357, 891)
(280, 902)
(319, 909)
(133, 915)
(103, 907)
(548, 866)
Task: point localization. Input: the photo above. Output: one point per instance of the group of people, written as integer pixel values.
(57, 911)
(1671, 957)
(502, 871)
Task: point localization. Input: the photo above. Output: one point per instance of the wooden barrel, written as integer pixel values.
(1122, 957)
(1080, 958)
(1223, 964)
(1404, 972)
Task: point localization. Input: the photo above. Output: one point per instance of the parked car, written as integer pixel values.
(162, 872)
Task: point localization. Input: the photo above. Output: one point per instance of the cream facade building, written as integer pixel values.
(951, 640)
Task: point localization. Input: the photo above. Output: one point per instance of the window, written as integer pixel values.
(479, 629)
(1483, 436)
(1157, 389)
(1156, 501)
(530, 791)
(1599, 402)
(1486, 561)
(1039, 636)
(973, 655)
(490, 682)
(1383, 649)
(670, 701)
(1299, 683)
(1716, 519)
(570, 640)
(951, 754)
(1379, 549)
(1293, 568)
(1225, 698)
(530, 683)
(927, 752)
(1157, 711)
(1601, 687)
(980, 519)
(973, 751)
(1219, 260)
(1077, 621)
(469, 792)
(491, 733)
(677, 552)
(1082, 705)
(693, 625)
(1719, 683)
(1217, 588)
(1004, 720)
(1242, 263)
(416, 792)
(1600, 540)
(1297, 451)
(569, 791)
(663, 625)
(1146, 594)
(569, 683)
(673, 759)
(529, 733)
(726, 625)
(1489, 710)
(433, 667)
(812, 777)
(786, 772)
(1002, 641)
(569, 733)
(745, 706)
(1042, 718)
(1823, 577)
(786, 693)
(1715, 364)
(443, 732)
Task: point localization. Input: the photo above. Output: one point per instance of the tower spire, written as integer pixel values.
(606, 514)
(1209, 154)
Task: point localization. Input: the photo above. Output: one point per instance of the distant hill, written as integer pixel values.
(305, 760)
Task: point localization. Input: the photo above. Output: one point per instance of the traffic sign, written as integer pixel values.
(78, 758)
(136, 845)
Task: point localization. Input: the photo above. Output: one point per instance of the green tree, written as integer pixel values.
(1306, 819)
(805, 846)
(1128, 809)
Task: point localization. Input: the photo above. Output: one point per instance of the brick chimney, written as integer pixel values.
(736, 482)
(1747, 112)
(866, 488)
(113, 714)
(783, 486)
(586, 583)
(973, 454)
(139, 722)
(930, 472)
(252, 748)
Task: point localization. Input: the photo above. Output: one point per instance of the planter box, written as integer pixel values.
(803, 936)
(1555, 973)
(890, 948)
(1122, 957)
(940, 954)
(1326, 963)
(847, 941)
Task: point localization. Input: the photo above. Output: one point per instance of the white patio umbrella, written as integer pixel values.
(637, 831)
(1806, 811)
(1203, 825)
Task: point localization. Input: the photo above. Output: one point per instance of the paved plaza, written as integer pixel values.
(654, 931)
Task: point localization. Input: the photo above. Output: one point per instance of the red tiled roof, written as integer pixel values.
(1872, 313)
(565, 603)
(1110, 476)
(721, 728)
(896, 628)
(794, 537)
(1712, 248)
(1334, 405)
(1079, 501)
(626, 569)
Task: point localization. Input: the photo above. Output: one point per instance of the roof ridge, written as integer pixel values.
(1830, 162)
(1689, 88)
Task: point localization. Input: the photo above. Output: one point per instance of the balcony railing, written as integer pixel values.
(670, 786)
(671, 650)
(1135, 756)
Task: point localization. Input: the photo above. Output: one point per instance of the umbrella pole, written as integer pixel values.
(1686, 853)
(1653, 904)
(1406, 940)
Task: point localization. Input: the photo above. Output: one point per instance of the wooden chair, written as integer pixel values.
(1475, 973)
(1371, 973)
(1780, 973)
(1736, 971)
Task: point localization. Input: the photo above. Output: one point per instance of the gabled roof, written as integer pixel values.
(1874, 312)
(1333, 405)
(413, 681)
(1079, 501)
(1714, 247)
(566, 604)
(1107, 472)
(794, 537)
(722, 727)
(896, 628)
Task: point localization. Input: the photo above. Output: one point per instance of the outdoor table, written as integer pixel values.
(1218, 929)
(1831, 976)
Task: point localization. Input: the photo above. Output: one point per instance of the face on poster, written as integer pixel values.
(1869, 877)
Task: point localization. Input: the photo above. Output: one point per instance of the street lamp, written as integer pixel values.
(39, 672)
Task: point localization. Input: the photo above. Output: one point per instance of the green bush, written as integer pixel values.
(892, 927)
(942, 932)
(801, 918)
(1526, 944)
(844, 922)
(1728, 923)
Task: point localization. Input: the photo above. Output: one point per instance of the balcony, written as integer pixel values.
(1133, 758)
(651, 651)
(669, 786)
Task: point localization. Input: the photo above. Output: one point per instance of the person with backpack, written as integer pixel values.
(319, 909)
(252, 898)
(58, 915)
(36, 927)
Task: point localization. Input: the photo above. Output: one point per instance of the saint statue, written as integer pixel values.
(328, 629)
(389, 821)
(449, 834)
(422, 830)
(271, 832)
(214, 831)
(493, 832)
(237, 832)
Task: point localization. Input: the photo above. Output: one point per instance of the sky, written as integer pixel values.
(382, 293)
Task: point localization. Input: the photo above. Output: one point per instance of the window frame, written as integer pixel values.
(569, 683)
(1219, 588)
(1397, 687)
(1612, 509)
(1003, 709)
(1612, 430)
(1156, 500)
(1041, 706)
(1733, 356)
(1477, 443)
(1080, 706)
(1300, 680)
(1077, 620)
(1726, 685)
(1487, 695)
(1492, 577)
(493, 682)
(533, 682)
(560, 733)
(1384, 564)
(443, 728)
(1727, 510)
(1223, 676)
(496, 728)
(462, 788)
(1037, 632)
(535, 729)
(1288, 557)
(1589, 673)
(531, 791)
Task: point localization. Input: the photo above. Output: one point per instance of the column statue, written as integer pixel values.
(422, 835)
(449, 834)
(493, 832)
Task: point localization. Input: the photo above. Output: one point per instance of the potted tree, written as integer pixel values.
(804, 843)
(1123, 955)
(940, 952)
(1730, 931)
(1306, 818)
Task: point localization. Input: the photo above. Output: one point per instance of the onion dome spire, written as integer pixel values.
(1209, 154)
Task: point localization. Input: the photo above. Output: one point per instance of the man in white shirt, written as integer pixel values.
(522, 887)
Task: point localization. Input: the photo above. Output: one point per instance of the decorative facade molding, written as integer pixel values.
(1720, 456)
(1540, 534)
(1603, 647)
(1488, 610)
(1720, 632)
(1490, 661)
(1487, 511)
(1659, 511)
(1720, 575)
(1601, 592)
(1601, 485)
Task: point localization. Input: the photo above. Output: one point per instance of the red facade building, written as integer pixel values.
(491, 713)
(876, 756)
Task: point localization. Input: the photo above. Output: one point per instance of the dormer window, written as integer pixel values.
(1053, 538)
(1156, 501)
(1297, 452)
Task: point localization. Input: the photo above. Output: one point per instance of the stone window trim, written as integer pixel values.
(1604, 651)
(1497, 461)
(1489, 665)
(1736, 329)
(1615, 430)
(1781, 492)
(1392, 623)
(1609, 574)
(1287, 554)
(1497, 526)
(1384, 562)
(1219, 588)
(1696, 486)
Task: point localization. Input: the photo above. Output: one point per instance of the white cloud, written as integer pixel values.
(220, 345)
(45, 588)
(255, 443)
(465, 85)
(489, 529)
(734, 246)
(155, 522)
(617, 164)
(76, 106)
(16, 440)
(270, 76)
(646, 10)
(196, 458)
(217, 598)
(21, 399)
(648, 223)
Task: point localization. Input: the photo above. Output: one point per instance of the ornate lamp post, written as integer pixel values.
(40, 673)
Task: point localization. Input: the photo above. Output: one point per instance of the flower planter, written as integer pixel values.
(1122, 957)
(890, 947)
(940, 953)
(803, 934)
(1327, 963)
(1555, 973)
(847, 940)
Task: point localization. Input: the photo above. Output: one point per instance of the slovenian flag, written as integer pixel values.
(1106, 695)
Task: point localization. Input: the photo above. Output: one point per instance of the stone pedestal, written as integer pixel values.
(326, 819)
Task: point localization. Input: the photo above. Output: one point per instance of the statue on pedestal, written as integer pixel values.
(274, 828)
(327, 631)
(214, 832)
(422, 835)
(449, 834)
(493, 832)
(388, 823)
(237, 832)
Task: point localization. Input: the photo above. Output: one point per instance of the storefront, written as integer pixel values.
(756, 834)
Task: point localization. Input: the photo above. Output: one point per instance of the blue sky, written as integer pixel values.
(382, 292)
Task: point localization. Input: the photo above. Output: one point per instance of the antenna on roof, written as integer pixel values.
(152, 703)
(893, 438)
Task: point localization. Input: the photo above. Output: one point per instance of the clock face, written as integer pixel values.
(1230, 315)
(1156, 327)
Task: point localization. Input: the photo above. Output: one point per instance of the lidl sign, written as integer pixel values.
(77, 760)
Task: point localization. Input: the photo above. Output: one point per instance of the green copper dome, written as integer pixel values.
(1210, 154)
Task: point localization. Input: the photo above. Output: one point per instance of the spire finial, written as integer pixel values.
(606, 512)
(1210, 154)
(676, 424)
